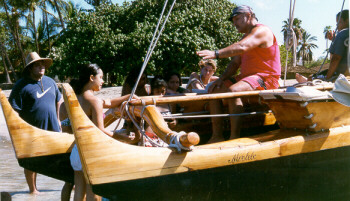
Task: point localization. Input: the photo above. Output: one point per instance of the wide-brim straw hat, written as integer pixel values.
(34, 57)
(341, 90)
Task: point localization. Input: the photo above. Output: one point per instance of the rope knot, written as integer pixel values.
(175, 142)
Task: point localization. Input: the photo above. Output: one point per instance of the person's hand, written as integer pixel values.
(330, 35)
(172, 124)
(217, 84)
(206, 54)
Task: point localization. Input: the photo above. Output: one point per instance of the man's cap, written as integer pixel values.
(34, 57)
(240, 9)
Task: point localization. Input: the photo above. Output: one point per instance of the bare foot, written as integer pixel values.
(300, 78)
(34, 192)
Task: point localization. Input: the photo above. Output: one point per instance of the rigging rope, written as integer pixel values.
(153, 44)
(290, 41)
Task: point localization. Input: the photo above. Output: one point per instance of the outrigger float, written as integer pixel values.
(307, 158)
(38, 150)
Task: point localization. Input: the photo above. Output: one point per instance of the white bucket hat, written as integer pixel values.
(34, 57)
(341, 90)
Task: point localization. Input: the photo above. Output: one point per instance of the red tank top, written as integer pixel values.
(261, 61)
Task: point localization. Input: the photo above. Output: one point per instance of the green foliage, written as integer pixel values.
(117, 37)
(283, 55)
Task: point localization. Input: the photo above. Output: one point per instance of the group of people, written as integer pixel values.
(255, 58)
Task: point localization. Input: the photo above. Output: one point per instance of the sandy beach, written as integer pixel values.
(12, 180)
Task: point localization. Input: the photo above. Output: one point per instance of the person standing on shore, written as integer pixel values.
(37, 99)
(257, 55)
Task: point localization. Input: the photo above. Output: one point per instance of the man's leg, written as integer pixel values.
(217, 122)
(31, 181)
(236, 107)
(66, 191)
(80, 186)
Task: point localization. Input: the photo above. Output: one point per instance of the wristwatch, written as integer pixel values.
(216, 54)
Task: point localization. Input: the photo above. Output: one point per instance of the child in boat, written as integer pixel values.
(158, 88)
(339, 52)
(173, 81)
(198, 83)
(143, 89)
(90, 80)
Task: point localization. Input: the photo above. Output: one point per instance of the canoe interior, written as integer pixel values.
(55, 166)
(321, 175)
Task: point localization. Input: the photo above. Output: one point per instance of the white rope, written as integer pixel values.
(211, 115)
(140, 128)
(153, 43)
(175, 142)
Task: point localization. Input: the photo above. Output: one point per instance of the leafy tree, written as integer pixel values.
(97, 2)
(117, 37)
(305, 47)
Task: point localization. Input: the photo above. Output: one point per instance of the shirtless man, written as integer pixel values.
(258, 57)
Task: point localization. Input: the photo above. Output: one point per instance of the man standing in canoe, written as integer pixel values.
(37, 99)
(257, 56)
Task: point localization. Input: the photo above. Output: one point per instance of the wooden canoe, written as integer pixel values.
(285, 164)
(41, 151)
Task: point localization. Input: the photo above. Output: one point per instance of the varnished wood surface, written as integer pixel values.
(29, 141)
(323, 115)
(106, 160)
(191, 97)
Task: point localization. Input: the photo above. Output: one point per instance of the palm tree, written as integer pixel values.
(325, 31)
(13, 24)
(4, 36)
(58, 5)
(305, 47)
(6, 72)
(298, 30)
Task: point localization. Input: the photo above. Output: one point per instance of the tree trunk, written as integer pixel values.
(3, 50)
(6, 72)
(14, 33)
(59, 14)
(35, 33)
(47, 29)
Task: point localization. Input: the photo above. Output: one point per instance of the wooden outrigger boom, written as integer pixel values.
(41, 151)
(127, 172)
(193, 97)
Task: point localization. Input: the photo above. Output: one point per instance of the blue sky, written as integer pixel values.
(315, 15)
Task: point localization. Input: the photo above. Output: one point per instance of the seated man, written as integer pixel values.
(258, 57)
(339, 50)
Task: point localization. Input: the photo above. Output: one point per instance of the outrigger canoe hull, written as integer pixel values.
(285, 164)
(55, 166)
(41, 151)
(321, 175)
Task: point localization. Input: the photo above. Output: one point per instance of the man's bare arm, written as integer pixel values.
(260, 36)
(335, 60)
